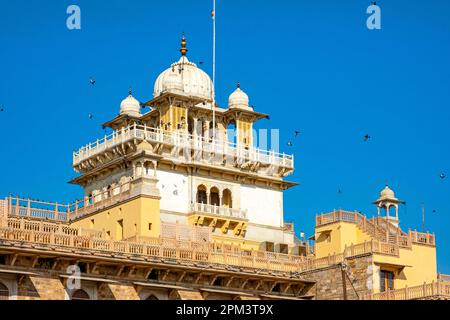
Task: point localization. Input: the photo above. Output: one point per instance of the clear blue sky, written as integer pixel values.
(312, 65)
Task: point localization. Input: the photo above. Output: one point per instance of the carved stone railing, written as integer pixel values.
(376, 230)
(218, 211)
(60, 236)
(54, 211)
(182, 140)
(435, 290)
(57, 235)
(443, 277)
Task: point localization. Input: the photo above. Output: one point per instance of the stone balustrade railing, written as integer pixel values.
(218, 211)
(182, 140)
(56, 235)
(444, 277)
(435, 290)
(54, 211)
(378, 232)
(187, 251)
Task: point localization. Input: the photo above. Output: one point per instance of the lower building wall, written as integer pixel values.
(330, 280)
(413, 267)
(137, 217)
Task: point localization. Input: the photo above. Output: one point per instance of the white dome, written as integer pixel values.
(190, 80)
(387, 193)
(173, 82)
(239, 100)
(130, 106)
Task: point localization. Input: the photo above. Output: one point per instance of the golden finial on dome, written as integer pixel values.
(183, 49)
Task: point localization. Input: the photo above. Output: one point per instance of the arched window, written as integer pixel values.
(4, 292)
(214, 197)
(232, 132)
(213, 133)
(80, 295)
(151, 297)
(191, 126)
(201, 195)
(109, 192)
(227, 199)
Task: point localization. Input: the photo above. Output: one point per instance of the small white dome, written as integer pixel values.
(387, 193)
(130, 106)
(239, 100)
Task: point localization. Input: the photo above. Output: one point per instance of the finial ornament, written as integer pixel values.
(183, 49)
(130, 92)
(238, 85)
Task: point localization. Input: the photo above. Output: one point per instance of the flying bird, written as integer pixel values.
(290, 144)
(2, 109)
(296, 133)
(367, 138)
(92, 81)
(339, 191)
(442, 176)
(91, 116)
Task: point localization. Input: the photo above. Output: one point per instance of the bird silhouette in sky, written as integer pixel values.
(442, 176)
(91, 116)
(290, 144)
(296, 133)
(367, 138)
(92, 81)
(339, 191)
(2, 109)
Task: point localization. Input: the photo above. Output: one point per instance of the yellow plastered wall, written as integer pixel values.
(420, 266)
(176, 116)
(244, 133)
(332, 239)
(136, 216)
(179, 118)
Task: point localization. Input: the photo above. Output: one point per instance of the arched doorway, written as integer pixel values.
(227, 199)
(4, 292)
(80, 295)
(201, 195)
(214, 197)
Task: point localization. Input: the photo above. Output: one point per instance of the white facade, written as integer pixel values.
(264, 206)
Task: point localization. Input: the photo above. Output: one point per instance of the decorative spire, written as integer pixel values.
(183, 49)
(238, 85)
(130, 92)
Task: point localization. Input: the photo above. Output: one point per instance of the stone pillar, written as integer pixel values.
(206, 136)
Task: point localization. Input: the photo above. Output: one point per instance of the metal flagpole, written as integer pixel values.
(423, 217)
(214, 71)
